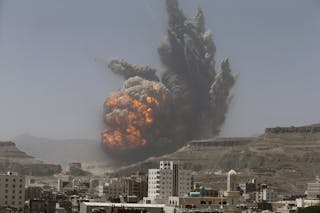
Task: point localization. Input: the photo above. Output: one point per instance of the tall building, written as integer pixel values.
(171, 179)
(232, 181)
(265, 194)
(12, 192)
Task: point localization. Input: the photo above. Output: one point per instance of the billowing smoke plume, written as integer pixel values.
(192, 95)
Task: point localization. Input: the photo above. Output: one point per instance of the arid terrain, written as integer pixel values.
(285, 158)
(13, 159)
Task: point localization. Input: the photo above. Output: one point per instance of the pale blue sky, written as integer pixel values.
(52, 53)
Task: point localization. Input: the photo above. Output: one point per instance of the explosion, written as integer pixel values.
(133, 114)
(148, 116)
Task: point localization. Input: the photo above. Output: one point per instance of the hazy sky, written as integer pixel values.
(53, 79)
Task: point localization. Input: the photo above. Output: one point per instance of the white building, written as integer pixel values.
(12, 191)
(313, 190)
(169, 180)
(306, 202)
(232, 181)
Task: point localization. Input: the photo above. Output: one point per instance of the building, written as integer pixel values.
(313, 190)
(88, 207)
(135, 185)
(64, 185)
(264, 194)
(171, 179)
(232, 181)
(306, 202)
(39, 206)
(197, 202)
(248, 187)
(12, 192)
(113, 189)
(32, 193)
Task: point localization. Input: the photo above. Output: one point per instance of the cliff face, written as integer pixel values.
(13, 159)
(286, 160)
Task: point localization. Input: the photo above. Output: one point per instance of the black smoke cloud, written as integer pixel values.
(199, 95)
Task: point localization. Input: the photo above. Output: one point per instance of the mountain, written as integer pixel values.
(13, 159)
(61, 151)
(287, 158)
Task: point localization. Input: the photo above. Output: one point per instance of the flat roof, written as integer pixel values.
(130, 205)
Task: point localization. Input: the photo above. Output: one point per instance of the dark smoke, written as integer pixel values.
(200, 96)
(123, 68)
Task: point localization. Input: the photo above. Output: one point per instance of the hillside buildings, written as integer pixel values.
(12, 192)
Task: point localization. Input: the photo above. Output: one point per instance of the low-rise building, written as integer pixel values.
(88, 207)
(197, 202)
(306, 202)
(32, 193)
(313, 190)
(40, 206)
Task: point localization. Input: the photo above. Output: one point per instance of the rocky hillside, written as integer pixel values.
(286, 158)
(12, 159)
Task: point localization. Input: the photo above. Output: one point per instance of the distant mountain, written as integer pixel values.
(61, 151)
(13, 159)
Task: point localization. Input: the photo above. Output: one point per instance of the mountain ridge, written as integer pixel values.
(13, 159)
(61, 151)
(285, 160)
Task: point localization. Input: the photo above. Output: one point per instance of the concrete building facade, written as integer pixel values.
(313, 190)
(171, 179)
(232, 181)
(12, 191)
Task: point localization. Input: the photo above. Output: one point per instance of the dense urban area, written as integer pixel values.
(171, 186)
(168, 188)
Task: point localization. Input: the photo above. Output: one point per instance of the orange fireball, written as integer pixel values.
(130, 114)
